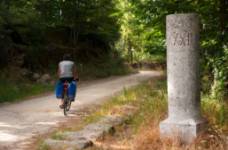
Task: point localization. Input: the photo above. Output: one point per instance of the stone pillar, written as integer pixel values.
(182, 39)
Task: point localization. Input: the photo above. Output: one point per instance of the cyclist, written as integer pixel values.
(66, 72)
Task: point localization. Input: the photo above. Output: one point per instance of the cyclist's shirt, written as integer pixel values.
(66, 69)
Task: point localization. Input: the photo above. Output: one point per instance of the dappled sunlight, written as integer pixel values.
(71, 115)
(7, 137)
(5, 125)
(112, 146)
(47, 123)
(57, 114)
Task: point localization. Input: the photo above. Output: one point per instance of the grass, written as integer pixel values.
(14, 91)
(43, 146)
(151, 98)
(153, 109)
(152, 104)
(127, 96)
(59, 135)
(216, 112)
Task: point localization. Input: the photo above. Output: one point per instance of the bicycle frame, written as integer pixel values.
(66, 101)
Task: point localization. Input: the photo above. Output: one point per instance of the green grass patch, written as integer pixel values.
(14, 91)
(216, 112)
(149, 96)
(59, 135)
(152, 104)
(152, 100)
(127, 96)
(43, 146)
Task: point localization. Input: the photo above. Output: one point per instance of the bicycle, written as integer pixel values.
(66, 99)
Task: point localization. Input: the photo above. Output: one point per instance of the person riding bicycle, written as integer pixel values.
(66, 72)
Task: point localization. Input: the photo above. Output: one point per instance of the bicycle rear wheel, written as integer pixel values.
(65, 106)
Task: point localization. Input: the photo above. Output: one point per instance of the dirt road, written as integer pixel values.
(21, 121)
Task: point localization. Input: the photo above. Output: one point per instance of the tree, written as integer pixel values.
(146, 27)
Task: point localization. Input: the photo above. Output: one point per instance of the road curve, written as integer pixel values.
(21, 121)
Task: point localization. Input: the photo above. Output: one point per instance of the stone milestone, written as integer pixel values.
(182, 39)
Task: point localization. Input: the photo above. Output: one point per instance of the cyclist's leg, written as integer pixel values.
(59, 90)
(72, 90)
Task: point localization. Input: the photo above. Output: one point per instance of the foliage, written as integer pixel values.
(143, 28)
(35, 34)
(44, 28)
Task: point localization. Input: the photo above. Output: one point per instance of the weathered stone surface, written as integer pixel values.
(95, 132)
(44, 78)
(36, 76)
(25, 72)
(114, 120)
(184, 116)
(76, 144)
(85, 137)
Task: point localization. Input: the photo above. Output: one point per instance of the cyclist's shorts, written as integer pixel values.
(71, 90)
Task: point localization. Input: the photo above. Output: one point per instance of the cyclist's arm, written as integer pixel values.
(75, 73)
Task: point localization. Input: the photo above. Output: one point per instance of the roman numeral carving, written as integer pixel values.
(181, 39)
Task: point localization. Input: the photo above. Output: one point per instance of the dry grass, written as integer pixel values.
(148, 138)
(141, 131)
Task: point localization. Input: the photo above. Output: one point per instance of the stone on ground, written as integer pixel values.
(85, 137)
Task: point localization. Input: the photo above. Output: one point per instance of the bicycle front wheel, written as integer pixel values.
(68, 105)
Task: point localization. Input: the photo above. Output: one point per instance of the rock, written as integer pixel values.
(36, 76)
(89, 134)
(114, 120)
(44, 78)
(62, 145)
(95, 131)
(74, 135)
(25, 72)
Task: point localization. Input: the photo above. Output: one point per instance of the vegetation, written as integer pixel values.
(102, 35)
(141, 131)
(143, 30)
(36, 33)
(37, 29)
(213, 112)
(10, 92)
